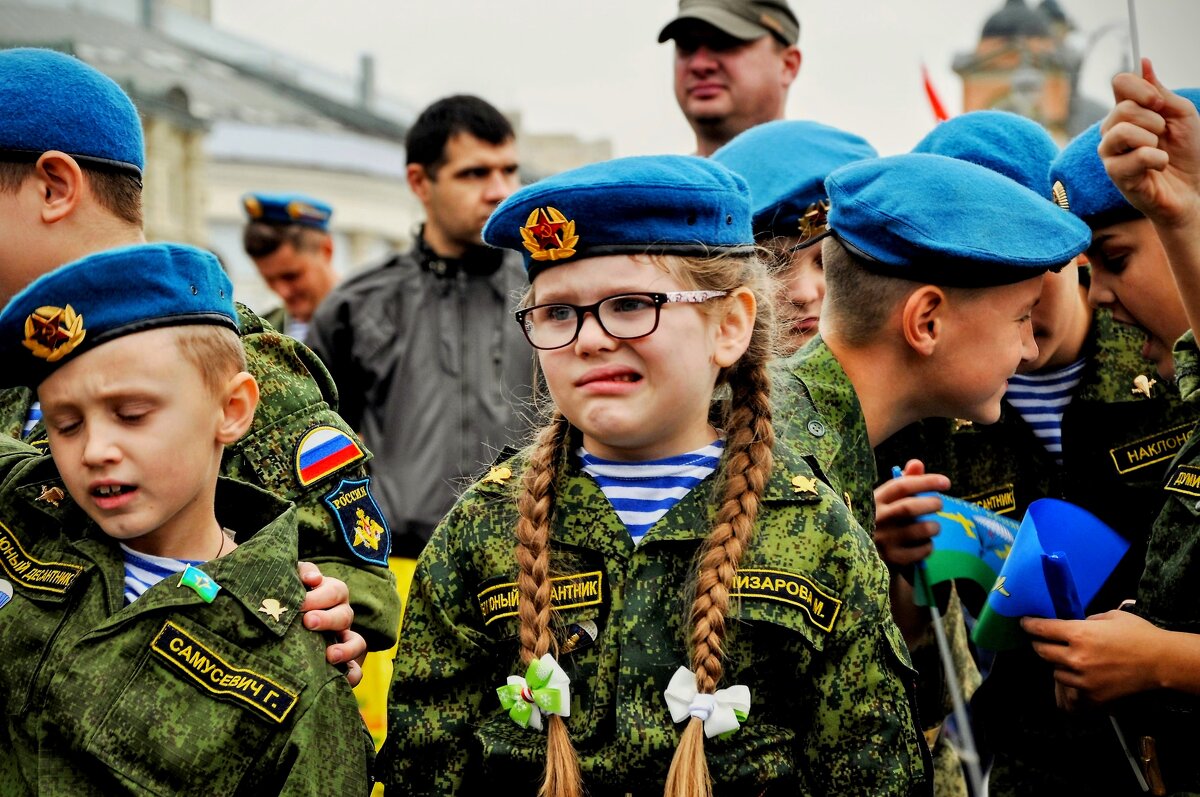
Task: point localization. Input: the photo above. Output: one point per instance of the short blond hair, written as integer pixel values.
(215, 351)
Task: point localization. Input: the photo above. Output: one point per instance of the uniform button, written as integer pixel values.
(816, 428)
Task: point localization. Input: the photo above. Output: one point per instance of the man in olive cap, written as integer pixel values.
(734, 63)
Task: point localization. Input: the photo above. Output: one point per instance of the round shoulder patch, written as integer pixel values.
(324, 450)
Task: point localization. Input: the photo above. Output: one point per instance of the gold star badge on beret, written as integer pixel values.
(52, 333)
(254, 208)
(814, 219)
(1059, 192)
(549, 235)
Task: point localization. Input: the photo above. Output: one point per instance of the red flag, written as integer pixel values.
(935, 102)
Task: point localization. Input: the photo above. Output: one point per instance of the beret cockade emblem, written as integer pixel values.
(549, 235)
(52, 333)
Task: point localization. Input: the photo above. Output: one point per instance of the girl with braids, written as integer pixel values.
(659, 593)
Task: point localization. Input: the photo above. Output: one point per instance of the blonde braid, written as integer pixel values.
(749, 460)
(535, 506)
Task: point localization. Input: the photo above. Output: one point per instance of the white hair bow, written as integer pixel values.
(721, 713)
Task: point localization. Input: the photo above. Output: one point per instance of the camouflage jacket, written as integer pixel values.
(295, 417)
(169, 695)
(1167, 596)
(811, 636)
(819, 408)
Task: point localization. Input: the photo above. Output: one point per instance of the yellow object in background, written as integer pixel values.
(372, 692)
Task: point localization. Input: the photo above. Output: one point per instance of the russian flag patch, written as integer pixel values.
(324, 450)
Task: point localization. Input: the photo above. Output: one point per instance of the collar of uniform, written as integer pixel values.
(1187, 366)
(41, 487)
(262, 566)
(838, 436)
(583, 515)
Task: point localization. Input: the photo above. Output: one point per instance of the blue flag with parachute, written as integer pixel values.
(1050, 565)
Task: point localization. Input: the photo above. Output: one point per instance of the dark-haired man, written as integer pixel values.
(287, 237)
(430, 368)
(734, 63)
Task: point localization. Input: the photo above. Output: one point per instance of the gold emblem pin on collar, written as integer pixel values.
(52, 333)
(804, 484)
(498, 475)
(272, 608)
(1142, 385)
(549, 235)
(52, 495)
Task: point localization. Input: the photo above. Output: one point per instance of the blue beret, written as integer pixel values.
(1082, 186)
(1004, 142)
(287, 209)
(930, 218)
(55, 101)
(785, 164)
(104, 296)
(665, 204)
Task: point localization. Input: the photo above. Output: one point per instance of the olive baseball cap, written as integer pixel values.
(741, 19)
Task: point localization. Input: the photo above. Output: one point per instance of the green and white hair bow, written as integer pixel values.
(545, 687)
(721, 713)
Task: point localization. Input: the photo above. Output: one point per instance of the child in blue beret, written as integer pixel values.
(659, 591)
(785, 164)
(1142, 661)
(153, 646)
(932, 268)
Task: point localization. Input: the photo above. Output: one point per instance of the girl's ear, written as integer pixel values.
(237, 411)
(736, 327)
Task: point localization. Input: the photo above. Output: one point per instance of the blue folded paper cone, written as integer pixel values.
(1062, 555)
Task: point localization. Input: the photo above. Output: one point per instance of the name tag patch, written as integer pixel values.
(33, 573)
(1149, 450)
(214, 675)
(566, 592)
(1184, 479)
(818, 606)
(999, 499)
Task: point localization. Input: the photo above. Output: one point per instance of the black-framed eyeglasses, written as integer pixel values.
(623, 316)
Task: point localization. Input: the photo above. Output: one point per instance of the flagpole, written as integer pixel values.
(968, 752)
(1133, 38)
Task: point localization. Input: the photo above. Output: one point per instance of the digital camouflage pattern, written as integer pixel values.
(170, 695)
(818, 405)
(816, 408)
(831, 711)
(1116, 448)
(1167, 597)
(296, 395)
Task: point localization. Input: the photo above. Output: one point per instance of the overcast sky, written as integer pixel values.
(594, 68)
